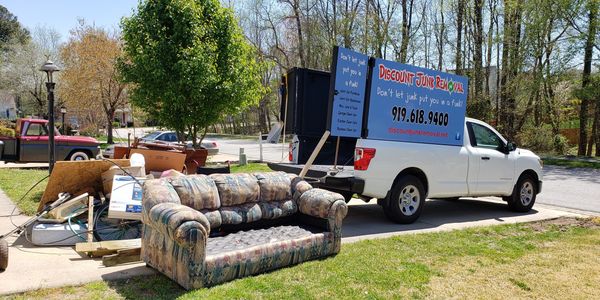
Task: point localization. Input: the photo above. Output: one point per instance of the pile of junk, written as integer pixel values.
(95, 205)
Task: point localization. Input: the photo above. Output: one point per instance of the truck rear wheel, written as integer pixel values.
(523, 196)
(406, 200)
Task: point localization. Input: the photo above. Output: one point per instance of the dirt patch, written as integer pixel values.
(565, 223)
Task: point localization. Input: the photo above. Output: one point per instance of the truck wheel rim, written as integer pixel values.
(409, 200)
(526, 193)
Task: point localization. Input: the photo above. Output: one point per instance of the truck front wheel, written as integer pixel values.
(406, 200)
(79, 155)
(523, 196)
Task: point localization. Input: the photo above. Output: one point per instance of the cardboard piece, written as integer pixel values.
(76, 178)
(126, 198)
(158, 161)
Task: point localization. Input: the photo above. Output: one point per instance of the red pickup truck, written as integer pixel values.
(30, 144)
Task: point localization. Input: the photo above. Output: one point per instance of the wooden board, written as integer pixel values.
(122, 257)
(157, 160)
(108, 245)
(76, 178)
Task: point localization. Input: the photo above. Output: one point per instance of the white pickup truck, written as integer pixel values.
(402, 174)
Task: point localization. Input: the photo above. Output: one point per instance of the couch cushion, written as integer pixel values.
(213, 217)
(244, 213)
(256, 237)
(278, 209)
(235, 189)
(197, 191)
(316, 202)
(274, 186)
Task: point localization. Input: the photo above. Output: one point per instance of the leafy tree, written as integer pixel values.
(89, 81)
(189, 63)
(11, 30)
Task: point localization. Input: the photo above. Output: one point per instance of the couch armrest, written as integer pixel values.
(323, 204)
(183, 224)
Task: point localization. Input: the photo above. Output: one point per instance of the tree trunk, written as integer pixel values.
(459, 29)
(587, 70)
(478, 57)
(405, 31)
(109, 126)
(594, 135)
(296, 8)
(597, 125)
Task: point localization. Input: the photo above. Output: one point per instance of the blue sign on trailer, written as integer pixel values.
(347, 92)
(412, 104)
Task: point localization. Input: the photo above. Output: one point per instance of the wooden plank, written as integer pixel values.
(122, 257)
(90, 226)
(108, 245)
(76, 178)
(314, 154)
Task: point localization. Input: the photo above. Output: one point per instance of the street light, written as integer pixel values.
(49, 67)
(63, 111)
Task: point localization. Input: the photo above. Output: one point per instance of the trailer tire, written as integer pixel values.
(79, 155)
(3, 255)
(406, 201)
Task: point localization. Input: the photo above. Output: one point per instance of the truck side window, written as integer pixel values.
(486, 138)
(35, 129)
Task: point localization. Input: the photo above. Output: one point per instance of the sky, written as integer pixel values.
(62, 15)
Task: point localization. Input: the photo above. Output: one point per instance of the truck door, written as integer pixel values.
(496, 169)
(34, 143)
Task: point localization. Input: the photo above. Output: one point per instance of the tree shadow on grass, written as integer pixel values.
(147, 287)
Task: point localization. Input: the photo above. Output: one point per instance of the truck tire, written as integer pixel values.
(523, 196)
(406, 200)
(79, 155)
(3, 255)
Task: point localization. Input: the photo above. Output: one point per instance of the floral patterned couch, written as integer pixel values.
(204, 230)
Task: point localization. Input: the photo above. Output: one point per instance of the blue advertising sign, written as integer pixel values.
(347, 93)
(413, 104)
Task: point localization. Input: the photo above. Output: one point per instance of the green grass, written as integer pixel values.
(507, 261)
(573, 163)
(250, 168)
(15, 182)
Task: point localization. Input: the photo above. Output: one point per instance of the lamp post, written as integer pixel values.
(63, 111)
(49, 67)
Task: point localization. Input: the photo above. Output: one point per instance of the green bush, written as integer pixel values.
(541, 140)
(6, 132)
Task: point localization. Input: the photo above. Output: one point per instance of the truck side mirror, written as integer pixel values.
(511, 146)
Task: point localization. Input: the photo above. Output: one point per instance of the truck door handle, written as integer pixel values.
(485, 158)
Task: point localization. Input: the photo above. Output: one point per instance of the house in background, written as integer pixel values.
(8, 107)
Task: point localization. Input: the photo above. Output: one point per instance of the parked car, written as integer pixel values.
(171, 137)
(30, 144)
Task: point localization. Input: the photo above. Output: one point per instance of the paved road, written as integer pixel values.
(571, 188)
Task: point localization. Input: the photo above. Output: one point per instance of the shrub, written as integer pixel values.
(540, 139)
(6, 131)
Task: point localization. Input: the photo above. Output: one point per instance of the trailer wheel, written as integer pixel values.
(3, 255)
(406, 200)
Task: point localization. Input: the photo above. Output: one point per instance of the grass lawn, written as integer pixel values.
(549, 259)
(15, 183)
(572, 163)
